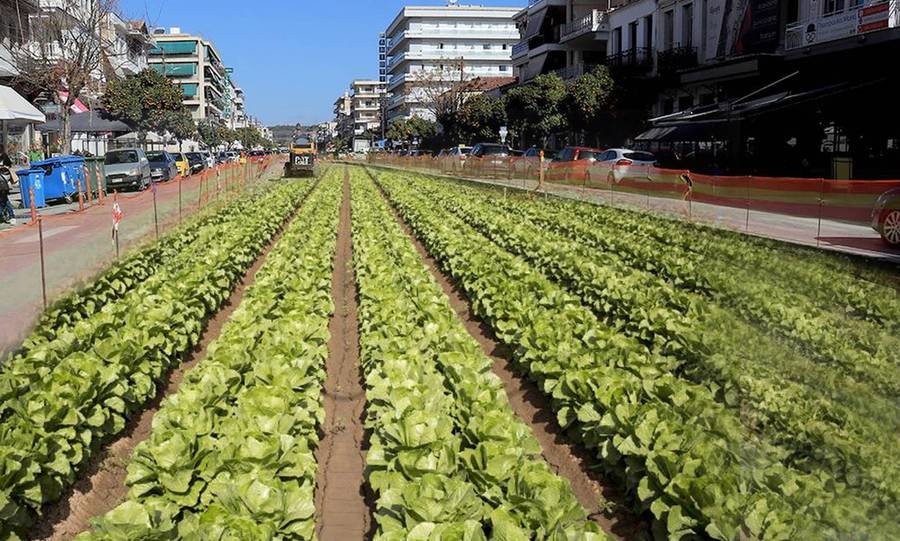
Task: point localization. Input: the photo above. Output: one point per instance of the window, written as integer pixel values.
(617, 40)
(505, 46)
(648, 31)
(504, 68)
(687, 25)
(441, 46)
(830, 7)
(633, 36)
(685, 103)
(668, 30)
(487, 47)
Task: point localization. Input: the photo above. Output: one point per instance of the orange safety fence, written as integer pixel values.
(841, 200)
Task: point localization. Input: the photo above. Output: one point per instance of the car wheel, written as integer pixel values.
(890, 227)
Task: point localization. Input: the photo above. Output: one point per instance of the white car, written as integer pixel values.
(209, 159)
(622, 162)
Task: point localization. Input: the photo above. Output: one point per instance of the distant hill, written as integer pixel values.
(283, 132)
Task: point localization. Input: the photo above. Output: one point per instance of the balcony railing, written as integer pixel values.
(594, 21)
(638, 59)
(671, 61)
(520, 48)
(575, 71)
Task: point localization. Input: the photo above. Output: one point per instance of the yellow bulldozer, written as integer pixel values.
(302, 159)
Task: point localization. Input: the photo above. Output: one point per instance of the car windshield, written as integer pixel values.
(193, 156)
(587, 155)
(156, 157)
(302, 141)
(121, 156)
(494, 150)
(640, 156)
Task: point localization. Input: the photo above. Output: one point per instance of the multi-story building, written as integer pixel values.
(365, 105)
(15, 32)
(127, 44)
(430, 48)
(343, 115)
(382, 58)
(195, 64)
(239, 115)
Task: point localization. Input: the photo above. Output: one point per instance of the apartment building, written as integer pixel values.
(127, 46)
(365, 103)
(343, 115)
(15, 31)
(429, 48)
(194, 64)
(382, 58)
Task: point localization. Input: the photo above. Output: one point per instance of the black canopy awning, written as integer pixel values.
(96, 121)
(535, 22)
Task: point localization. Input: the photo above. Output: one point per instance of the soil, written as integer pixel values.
(100, 486)
(605, 503)
(343, 501)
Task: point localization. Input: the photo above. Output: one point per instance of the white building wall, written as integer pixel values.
(432, 40)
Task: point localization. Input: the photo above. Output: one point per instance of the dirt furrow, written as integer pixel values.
(600, 496)
(101, 484)
(343, 512)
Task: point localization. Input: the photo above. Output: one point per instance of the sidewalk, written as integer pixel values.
(849, 238)
(79, 245)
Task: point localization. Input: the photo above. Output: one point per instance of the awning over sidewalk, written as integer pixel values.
(88, 122)
(16, 109)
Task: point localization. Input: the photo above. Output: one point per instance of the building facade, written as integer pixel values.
(365, 105)
(195, 65)
(431, 48)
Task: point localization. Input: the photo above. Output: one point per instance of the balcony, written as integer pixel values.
(632, 61)
(520, 49)
(671, 61)
(590, 25)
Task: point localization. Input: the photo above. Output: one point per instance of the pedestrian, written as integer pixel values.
(36, 154)
(8, 179)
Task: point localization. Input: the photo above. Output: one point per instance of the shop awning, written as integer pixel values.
(89, 122)
(16, 109)
(699, 131)
(535, 22)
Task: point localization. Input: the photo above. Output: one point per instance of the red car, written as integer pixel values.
(572, 163)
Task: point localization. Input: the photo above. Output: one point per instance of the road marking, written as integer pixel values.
(49, 233)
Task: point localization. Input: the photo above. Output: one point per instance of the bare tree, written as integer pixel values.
(65, 54)
(442, 90)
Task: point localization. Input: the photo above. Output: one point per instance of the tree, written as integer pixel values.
(65, 54)
(249, 137)
(441, 89)
(179, 124)
(143, 100)
(406, 131)
(211, 131)
(589, 99)
(535, 111)
(478, 120)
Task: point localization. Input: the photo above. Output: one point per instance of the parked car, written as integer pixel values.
(127, 168)
(453, 159)
(572, 163)
(234, 156)
(209, 159)
(162, 166)
(221, 157)
(619, 163)
(490, 159)
(184, 166)
(529, 165)
(886, 217)
(196, 161)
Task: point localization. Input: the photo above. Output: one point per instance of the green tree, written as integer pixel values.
(406, 131)
(589, 100)
(249, 137)
(535, 110)
(478, 120)
(211, 131)
(143, 100)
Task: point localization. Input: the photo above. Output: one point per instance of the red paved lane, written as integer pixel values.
(78, 246)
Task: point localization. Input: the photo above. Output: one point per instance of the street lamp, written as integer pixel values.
(503, 133)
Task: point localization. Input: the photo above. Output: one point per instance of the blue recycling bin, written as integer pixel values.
(61, 176)
(32, 178)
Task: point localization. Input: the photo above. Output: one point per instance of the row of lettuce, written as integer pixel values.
(79, 378)
(231, 455)
(714, 426)
(448, 457)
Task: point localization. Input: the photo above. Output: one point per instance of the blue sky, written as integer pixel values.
(293, 58)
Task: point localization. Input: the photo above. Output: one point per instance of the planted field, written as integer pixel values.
(557, 371)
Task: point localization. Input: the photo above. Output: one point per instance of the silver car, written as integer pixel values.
(127, 169)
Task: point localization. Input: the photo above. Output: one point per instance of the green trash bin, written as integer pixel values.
(96, 174)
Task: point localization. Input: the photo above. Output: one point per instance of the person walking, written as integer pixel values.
(8, 179)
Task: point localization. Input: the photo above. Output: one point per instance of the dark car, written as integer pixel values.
(491, 159)
(162, 166)
(886, 217)
(221, 157)
(196, 161)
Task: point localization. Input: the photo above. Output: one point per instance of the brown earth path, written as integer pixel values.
(341, 498)
(603, 500)
(101, 485)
